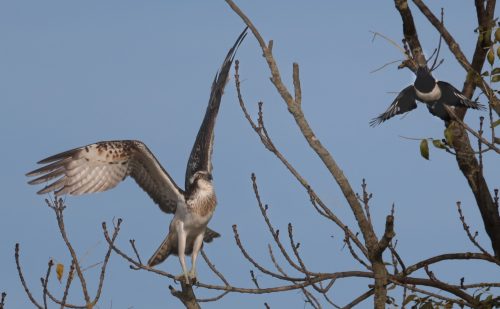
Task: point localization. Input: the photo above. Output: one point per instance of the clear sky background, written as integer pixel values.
(77, 72)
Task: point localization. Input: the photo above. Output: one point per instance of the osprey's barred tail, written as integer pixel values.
(168, 247)
(210, 235)
(162, 253)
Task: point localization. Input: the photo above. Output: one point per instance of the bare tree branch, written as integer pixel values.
(186, 296)
(58, 206)
(461, 143)
(359, 299)
(23, 282)
(2, 300)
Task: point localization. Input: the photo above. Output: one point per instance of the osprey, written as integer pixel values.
(101, 166)
(435, 94)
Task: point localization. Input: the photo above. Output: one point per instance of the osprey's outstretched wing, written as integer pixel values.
(101, 166)
(201, 154)
(404, 102)
(452, 96)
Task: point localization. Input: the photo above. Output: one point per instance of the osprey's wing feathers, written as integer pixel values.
(201, 154)
(102, 166)
(404, 102)
(451, 96)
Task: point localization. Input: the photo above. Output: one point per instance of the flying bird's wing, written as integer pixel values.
(201, 154)
(452, 96)
(404, 102)
(101, 166)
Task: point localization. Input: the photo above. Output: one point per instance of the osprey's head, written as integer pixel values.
(201, 177)
(201, 181)
(425, 82)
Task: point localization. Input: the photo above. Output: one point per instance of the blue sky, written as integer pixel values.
(77, 72)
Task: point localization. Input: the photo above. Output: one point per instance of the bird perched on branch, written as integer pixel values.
(101, 166)
(426, 89)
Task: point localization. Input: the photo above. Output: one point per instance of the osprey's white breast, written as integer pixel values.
(198, 208)
(432, 96)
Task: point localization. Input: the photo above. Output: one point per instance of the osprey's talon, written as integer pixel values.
(183, 278)
(192, 277)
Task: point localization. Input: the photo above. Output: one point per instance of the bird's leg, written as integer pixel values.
(181, 247)
(198, 241)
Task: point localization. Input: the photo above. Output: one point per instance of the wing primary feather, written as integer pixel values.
(53, 174)
(53, 186)
(453, 95)
(404, 102)
(102, 166)
(201, 153)
(48, 168)
(59, 156)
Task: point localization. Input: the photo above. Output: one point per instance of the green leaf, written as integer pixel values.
(495, 71)
(495, 78)
(424, 149)
(438, 144)
(495, 123)
(491, 56)
(448, 135)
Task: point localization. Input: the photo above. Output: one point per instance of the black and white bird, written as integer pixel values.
(426, 89)
(101, 166)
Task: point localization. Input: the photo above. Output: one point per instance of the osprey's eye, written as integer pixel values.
(209, 177)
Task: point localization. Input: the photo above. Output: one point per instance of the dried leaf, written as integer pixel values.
(495, 71)
(59, 271)
(424, 149)
(495, 123)
(495, 78)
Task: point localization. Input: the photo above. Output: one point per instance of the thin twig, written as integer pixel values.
(2, 300)
(45, 282)
(58, 206)
(465, 126)
(213, 268)
(353, 253)
(359, 299)
(71, 273)
(23, 282)
(267, 142)
(273, 232)
(375, 34)
(467, 230)
(257, 265)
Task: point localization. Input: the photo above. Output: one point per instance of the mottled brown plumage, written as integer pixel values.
(102, 166)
